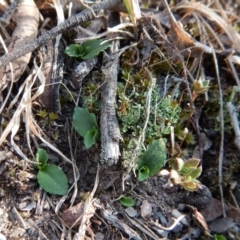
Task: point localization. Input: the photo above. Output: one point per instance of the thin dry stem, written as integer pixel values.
(221, 149)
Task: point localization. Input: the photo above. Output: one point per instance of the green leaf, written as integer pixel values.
(219, 237)
(93, 47)
(190, 186)
(196, 173)
(192, 162)
(189, 166)
(127, 201)
(87, 50)
(84, 121)
(41, 158)
(91, 137)
(154, 157)
(74, 50)
(53, 180)
(143, 173)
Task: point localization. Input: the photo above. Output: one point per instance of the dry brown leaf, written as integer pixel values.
(71, 215)
(199, 217)
(221, 225)
(182, 40)
(26, 18)
(74, 215)
(213, 211)
(233, 213)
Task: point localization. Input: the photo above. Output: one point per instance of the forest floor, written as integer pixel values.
(144, 126)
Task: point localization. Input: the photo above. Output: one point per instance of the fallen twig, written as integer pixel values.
(110, 132)
(83, 16)
(221, 150)
(7, 15)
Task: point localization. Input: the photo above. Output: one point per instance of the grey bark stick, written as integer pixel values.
(7, 15)
(84, 16)
(110, 133)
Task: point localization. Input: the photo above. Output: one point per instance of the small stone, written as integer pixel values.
(178, 228)
(161, 232)
(131, 212)
(99, 236)
(177, 214)
(17, 232)
(2, 237)
(146, 209)
(221, 225)
(161, 218)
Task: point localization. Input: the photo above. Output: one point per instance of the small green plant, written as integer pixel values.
(85, 124)
(152, 160)
(53, 116)
(48, 117)
(127, 201)
(186, 173)
(42, 113)
(200, 86)
(87, 50)
(50, 177)
(219, 237)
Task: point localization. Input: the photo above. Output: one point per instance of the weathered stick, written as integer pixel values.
(110, 133)
(83, 16)
(7, 15)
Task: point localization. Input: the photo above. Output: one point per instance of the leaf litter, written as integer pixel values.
(178, 54)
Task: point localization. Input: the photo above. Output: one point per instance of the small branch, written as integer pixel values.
(110, 132)
(83, 16)
(8, 14)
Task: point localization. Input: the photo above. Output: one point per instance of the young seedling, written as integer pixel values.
(50, 177)
(85, 124)
(127, 201)
(87, 50)
(152, 160)
(186, 173)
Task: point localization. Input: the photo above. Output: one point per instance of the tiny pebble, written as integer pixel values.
(2, 237)
(146, 209)
(131, 212)
(221, 225)
(161, 218)
(17, 232)
(177, 214)
(178, 228)
(99, 236)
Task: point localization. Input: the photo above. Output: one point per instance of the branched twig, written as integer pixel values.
(84, 16)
